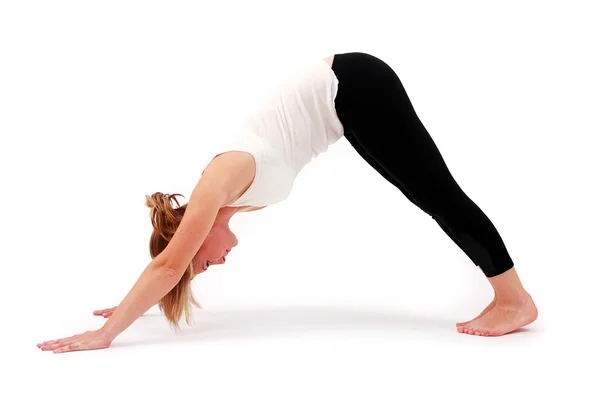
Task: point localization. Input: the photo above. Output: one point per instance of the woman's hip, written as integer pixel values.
(369, 90)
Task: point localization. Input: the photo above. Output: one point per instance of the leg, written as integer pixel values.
(376, 110)
(384, 127)
(373, 163)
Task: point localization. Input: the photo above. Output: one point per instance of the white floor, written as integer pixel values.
(328, 313)
(345, 291)
(311, 352)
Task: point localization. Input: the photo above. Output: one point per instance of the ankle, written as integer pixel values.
(513, 299)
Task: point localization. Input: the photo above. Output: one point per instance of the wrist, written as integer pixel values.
(109, 334)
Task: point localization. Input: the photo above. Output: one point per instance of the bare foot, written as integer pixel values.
(486, 310)
(503, 318)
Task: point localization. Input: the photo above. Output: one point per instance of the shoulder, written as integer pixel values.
(231, 172)
(229, 161)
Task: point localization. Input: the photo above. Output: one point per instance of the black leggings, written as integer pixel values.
(381, 124)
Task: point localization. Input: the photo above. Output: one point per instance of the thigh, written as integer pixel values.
(374, 107)
(375, 165)
(401, 145)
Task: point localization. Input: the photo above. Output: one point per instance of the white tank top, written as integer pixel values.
(297, 122)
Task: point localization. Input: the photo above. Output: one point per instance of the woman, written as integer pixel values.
(355, 95)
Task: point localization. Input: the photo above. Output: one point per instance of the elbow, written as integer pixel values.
(172, 273)
(169, 272)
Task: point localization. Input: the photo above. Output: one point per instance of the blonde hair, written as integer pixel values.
(165, 220)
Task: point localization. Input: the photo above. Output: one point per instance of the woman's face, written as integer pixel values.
(216, 246)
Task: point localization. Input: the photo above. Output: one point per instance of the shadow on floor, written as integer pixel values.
(288, 321)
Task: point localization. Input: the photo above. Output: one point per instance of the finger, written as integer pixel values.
(57, 344)
(102, 311)
(53, 342)
(50, 347)
(47, 343)
(67, 348)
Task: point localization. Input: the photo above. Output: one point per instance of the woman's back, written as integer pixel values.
(296, 123)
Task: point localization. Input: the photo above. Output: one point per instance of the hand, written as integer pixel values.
(93, 339)
(105, 312)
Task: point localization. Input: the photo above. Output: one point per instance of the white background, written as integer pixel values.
(345, 290)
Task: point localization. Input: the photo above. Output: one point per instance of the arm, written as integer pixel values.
(222, 181)
(164, 272)
(109, 311)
